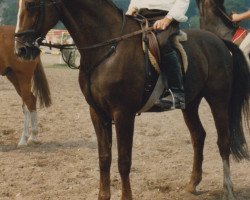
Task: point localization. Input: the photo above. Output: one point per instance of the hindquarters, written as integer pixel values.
(210, 65)
(224, 83)
(239, 103)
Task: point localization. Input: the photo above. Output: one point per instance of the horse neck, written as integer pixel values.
(210, 21)
(91, 22)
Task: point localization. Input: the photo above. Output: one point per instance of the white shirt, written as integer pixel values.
(177, 8)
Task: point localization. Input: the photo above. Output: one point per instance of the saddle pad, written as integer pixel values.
(239, 35)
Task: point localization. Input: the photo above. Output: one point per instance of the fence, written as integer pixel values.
(56, 36)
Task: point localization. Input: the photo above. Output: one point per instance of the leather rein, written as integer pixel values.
(235, 25)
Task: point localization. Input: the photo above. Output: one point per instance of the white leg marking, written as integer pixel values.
(34, 125)
(228, 184)
(25, 134)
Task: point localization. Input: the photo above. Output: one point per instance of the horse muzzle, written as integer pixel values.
(26, 52)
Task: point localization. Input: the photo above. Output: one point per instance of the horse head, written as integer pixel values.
(35, 19)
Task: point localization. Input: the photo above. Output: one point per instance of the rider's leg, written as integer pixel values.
(171, 70)
(245, 47)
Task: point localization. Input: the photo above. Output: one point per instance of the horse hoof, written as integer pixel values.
(229, 197)
(191, 189)
(34, 142)
(21, 145)
(104, 197)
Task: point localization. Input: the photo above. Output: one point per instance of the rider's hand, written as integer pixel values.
(235, 17)
(162, 24)
(132, 11)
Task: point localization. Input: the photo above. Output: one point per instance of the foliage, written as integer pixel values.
(9, 12)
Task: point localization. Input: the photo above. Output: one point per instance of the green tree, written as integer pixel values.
(123, 4)
(9, 13)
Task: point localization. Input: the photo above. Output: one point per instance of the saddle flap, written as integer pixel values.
(239, 35)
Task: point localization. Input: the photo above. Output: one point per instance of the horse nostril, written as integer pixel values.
(22, 52)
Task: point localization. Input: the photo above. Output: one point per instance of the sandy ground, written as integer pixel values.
(65, 165)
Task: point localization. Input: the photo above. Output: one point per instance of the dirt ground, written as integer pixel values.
(65, 165)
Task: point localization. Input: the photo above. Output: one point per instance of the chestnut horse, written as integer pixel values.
(214, 18)
(112, 79)
(21, 74)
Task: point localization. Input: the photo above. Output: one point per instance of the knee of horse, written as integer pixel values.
(124, 165)
(224, 147)
(104, 163)
(30, 102)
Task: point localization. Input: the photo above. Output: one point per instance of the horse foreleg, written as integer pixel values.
(198, 135)
(14, 80)
(25, 134)
(30, 101)
(104, 139)
(33, 137)
(124, 123)
(220, 113)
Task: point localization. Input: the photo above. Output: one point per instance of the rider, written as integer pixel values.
(245, 45)
(175, 11)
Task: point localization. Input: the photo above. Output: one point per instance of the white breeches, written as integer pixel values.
(245, 47)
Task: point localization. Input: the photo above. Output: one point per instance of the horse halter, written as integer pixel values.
(35, 33)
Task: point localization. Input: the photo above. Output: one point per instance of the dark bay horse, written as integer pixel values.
(23, 74)
(112, 79)
(214, 18)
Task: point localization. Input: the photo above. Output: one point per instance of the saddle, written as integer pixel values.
(239, 35)
(151, 46)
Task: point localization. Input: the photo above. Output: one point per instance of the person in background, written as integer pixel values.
(172, 12)
(237, 17)
(245, 45)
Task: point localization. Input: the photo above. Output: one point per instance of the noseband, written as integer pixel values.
(35, 33)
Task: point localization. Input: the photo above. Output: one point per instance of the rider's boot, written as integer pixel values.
(171, 70)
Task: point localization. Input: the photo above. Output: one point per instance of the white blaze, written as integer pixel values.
(19, 16)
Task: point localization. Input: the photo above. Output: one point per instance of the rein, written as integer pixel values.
(102, 44)
(117, 39)
(235, 25)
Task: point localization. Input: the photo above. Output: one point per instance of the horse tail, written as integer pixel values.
(41, 86)
(239, 103)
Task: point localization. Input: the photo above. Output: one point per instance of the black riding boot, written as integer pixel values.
(171, 71)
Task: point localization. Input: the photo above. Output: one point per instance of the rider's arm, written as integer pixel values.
(132, 8)
(238, 17)
(178, 11)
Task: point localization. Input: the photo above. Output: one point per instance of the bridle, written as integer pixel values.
(35, 32)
